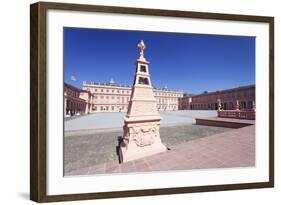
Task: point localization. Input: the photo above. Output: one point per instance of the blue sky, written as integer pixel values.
(192, 63)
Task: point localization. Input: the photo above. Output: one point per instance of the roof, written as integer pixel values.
(227, 90)
(72, 87)
(126, 86)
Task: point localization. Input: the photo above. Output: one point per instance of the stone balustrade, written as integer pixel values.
(238, 114)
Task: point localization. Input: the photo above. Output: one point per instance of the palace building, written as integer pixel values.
(243, 96)
(76, 101)
(113, 97)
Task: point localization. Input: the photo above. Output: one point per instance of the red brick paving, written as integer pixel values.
(235, 148)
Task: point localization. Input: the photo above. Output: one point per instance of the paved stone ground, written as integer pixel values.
(83, 151)
(115, 120)
(234, 148)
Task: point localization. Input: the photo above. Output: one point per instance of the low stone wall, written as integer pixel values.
(238, 114)
(224, 122)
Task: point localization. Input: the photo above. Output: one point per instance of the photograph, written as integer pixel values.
(147, 101)
(130, 101)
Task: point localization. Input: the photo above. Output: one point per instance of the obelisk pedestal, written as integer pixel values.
(141, 136)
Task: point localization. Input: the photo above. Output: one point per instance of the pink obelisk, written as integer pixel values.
(141, 135)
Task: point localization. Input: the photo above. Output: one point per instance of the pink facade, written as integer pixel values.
(73, 103)
(244, 96)
(184, 103)
(85, 95)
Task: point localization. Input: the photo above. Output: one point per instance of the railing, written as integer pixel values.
(238, 114)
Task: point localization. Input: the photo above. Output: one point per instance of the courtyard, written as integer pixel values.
(91, 144)
(102, 120)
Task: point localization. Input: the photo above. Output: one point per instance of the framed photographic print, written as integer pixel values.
(133, 102)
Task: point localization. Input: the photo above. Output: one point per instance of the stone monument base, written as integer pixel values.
(140, 140)
(140, 152)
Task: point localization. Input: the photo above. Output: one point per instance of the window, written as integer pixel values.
(143, 81)
(96, 90)
(101, 90)
(143, 68)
